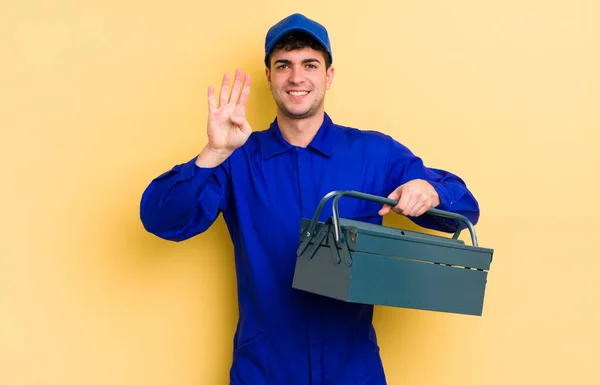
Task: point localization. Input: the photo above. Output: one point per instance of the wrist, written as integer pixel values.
(210, 157)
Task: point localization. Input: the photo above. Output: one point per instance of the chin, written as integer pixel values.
(297, 111)
(299, 114)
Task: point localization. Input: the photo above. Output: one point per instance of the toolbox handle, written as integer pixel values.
(382, 200)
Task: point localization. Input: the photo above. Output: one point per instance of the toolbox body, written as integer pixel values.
(365, 263)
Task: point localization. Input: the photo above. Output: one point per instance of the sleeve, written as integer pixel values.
(185, 201)
(454, 195)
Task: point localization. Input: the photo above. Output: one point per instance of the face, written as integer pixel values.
(298, 81)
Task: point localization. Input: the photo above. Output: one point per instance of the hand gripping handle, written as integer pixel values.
(374, 198)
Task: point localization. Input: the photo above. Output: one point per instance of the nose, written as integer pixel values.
(296, 75)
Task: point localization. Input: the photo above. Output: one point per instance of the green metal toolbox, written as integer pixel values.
(364, 263)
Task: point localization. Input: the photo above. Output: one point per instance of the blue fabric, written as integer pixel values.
(300, 23)
(287, 336)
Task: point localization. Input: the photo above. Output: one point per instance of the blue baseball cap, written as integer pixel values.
(296, 22)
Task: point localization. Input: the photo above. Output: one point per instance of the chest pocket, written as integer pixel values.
(361, 174)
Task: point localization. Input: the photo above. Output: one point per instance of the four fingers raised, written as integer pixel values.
(239, 92)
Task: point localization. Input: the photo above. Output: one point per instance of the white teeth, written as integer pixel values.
(298, 93)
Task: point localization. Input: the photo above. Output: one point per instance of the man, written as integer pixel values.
(264, 182)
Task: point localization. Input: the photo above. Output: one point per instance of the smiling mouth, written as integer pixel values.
(298, 93)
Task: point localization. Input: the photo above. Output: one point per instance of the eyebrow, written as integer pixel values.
(305, 61)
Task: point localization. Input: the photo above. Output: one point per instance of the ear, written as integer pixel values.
(329, 74)
(268, 75)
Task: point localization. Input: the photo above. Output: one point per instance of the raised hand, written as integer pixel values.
(228, 128)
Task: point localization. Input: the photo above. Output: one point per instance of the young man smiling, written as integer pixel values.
(299, 78)
(264, 182)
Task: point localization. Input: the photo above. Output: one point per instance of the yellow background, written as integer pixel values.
(97, 98)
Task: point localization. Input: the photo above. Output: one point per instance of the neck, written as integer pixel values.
(299, 132)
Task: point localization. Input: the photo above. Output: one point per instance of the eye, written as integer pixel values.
(311, 66)
(281, 66)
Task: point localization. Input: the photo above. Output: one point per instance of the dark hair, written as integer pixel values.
(299, 40)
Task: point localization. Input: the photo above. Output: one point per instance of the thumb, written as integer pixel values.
(238, 120)
(245, 127)
(395, 195)
(384, 210)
